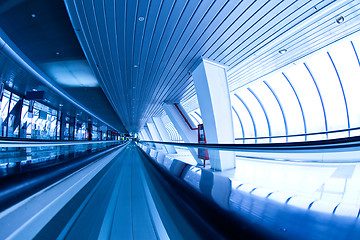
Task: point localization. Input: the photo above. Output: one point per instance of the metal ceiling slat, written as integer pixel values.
(167, 36)
(246, 18)
(151, 22)
(254, 25)
(113, 43)
(295, 38)
(226, 27)
(100, 16)
(191, 39)
(190, 10)
(131, 18)
(317, 40)
(172, 34)
(143, 11)
(158, 92)
(263, 33)
(169, 8)
(101, 65)
(82, 31)
(274, 38)
(158, 35)
(186, 84)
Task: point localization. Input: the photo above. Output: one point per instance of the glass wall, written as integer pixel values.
(312, 97)
(5, 103)
(21, 118)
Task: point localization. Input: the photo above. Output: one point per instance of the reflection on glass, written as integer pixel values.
(5, 101)
(14, 159)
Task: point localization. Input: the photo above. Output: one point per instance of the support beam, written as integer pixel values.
(182, 122)
(147, 133)
(144, 135)
(155, 135)
(140, 136)
(184, 126)
(159, 124)
(214, 101)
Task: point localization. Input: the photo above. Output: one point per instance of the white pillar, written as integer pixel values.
(155, 135)
(142, 135)
(214, 101)
(181, 121)
(159, 124)
(147, 133)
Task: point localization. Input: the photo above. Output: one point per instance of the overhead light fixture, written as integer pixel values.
(60, 105)
(135, 66)
(141, 19)
(282, 51)
(340, 20)
(57, 53)
(33, 15)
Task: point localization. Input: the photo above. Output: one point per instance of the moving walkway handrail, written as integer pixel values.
(25, 143)
(328, 144)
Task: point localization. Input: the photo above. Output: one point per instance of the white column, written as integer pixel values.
(214, 101)
(159, 124)
(181, 121)
(155, 135)
(147, 133)
(141, 135)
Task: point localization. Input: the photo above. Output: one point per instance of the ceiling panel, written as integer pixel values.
(142, 51)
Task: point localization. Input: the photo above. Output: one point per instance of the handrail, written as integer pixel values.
(9, 143)
(301, 135)
(338, 143)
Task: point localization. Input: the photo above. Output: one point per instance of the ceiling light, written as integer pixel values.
(135, 66)
(282, 51)
(33, 15)
(141, 19)
(57, 53)
(60, 105)
(340, 20)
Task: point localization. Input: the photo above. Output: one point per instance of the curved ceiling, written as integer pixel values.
(142, 51)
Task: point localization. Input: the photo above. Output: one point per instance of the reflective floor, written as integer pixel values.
(115, 197)
(125, 194)
(285, 198)
(310, 181)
